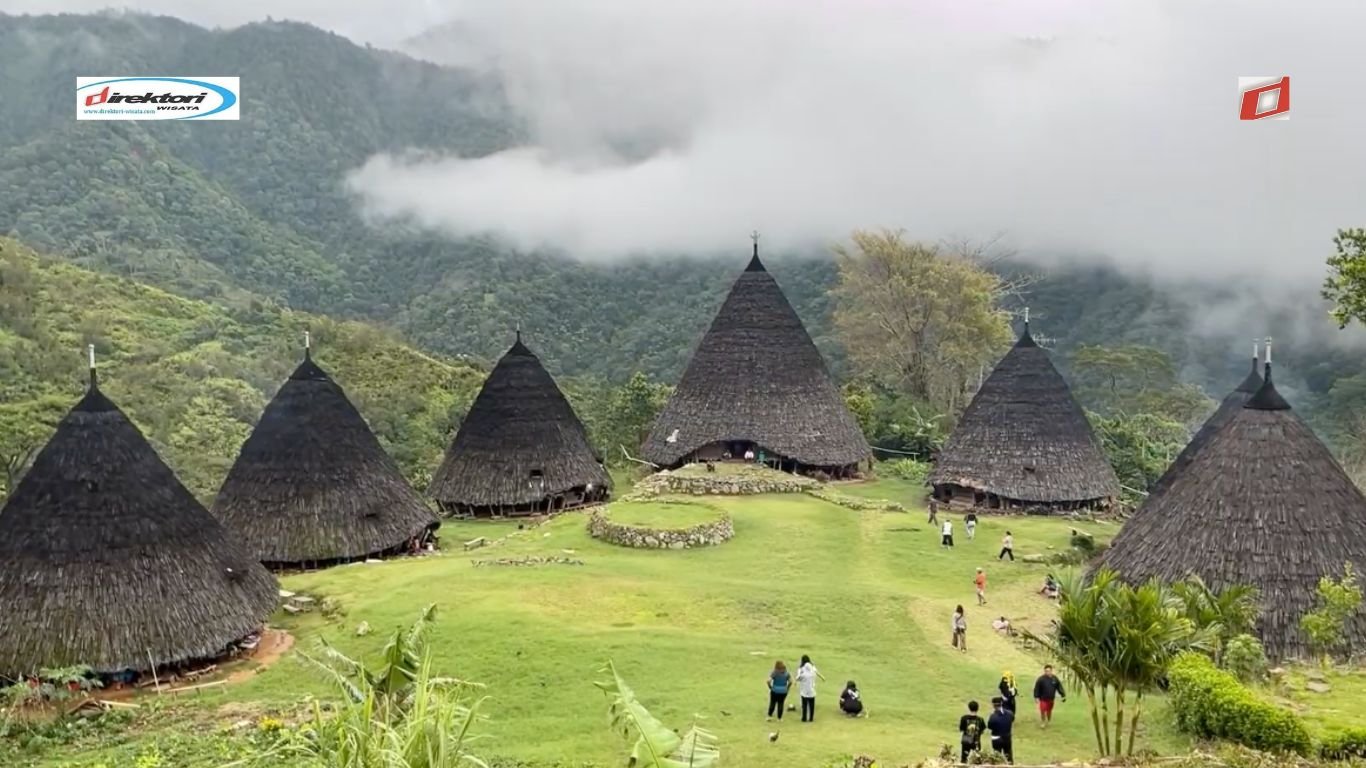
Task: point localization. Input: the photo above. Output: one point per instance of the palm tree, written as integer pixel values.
(1231, 611)
(1111, 636)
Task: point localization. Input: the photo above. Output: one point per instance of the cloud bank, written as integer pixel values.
(1073, 127)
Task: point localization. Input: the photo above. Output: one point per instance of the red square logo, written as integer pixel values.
(1264, 98)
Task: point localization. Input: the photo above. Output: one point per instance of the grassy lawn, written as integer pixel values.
(868, 595)
(663, 515)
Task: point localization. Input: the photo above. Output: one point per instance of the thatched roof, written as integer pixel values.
(1230, 406)
(107, 560)
(756, 377)
(1263, 503)
(312, 484)
(1023, 437)
(519, 424)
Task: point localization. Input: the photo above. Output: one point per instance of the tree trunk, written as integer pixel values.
(1105, 718)
(1095, 718)
(1133, 724)
(1119, 720)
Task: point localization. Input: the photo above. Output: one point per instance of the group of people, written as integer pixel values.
(780, 682)
(970, 522)
(1001, 723)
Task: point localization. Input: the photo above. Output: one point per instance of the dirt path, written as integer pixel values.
(274, 644)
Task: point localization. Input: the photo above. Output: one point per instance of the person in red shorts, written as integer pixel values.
(1047, 689)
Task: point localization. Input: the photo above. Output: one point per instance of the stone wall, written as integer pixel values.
(720, 484)
(858, 503)
(703, 535)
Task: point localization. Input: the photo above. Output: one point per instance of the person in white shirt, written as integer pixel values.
(1007, 548)
(806, 687)
(947, 533)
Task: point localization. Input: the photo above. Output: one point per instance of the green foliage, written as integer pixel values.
(1211, 703)
(195, 376)
(393, 682)
(1140, 447)
(1133, 379)
(655, 745)
(1245, 658)
(1113, 637)
(918, 318)
(1344, 745)
(433, 729)
(1345, 285)
(913, 470)
(1338, 600)
(1228, 613)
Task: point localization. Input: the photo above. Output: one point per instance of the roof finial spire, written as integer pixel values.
(90, 350)
(755, 237)
(1268, 356)
(518, 330)
(1026, 319)
(308, 345)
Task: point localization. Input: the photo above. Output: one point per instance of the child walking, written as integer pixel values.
(778, 682)
(970, 523)
(960, 630)
(806, 686)
(981, 582)
(946, 533)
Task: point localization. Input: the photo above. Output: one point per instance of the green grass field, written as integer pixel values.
(867, 594)
(663, 515)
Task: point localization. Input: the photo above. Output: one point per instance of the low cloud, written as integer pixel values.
(1092, 130)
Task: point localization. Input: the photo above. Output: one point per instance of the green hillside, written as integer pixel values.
(258, 210)
(195, 376)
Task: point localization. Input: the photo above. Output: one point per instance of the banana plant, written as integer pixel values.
(656, 745)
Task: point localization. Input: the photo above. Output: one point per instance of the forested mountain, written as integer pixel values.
(195, 376)
(254, 216)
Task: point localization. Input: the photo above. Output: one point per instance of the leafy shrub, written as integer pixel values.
(1344, 745)
(905, 469)
(1084, 543)
(1245, 658)
(1211, 703)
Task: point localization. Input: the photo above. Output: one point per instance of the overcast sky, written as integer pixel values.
(1068, 125)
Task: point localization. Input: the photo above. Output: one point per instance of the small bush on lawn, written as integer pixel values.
(1344, 745)
(1211, 703)
(905, 469)
(1245, 658)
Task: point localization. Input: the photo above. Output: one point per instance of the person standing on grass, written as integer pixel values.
(1047, 689)
(1007, 548)
(1001, 724)
(934, 512)
(970, 728)
(1009, 691)
(778, 683)
(806, 686)
(946, 534)
(960, 630)
(981, 581)
(970, 523)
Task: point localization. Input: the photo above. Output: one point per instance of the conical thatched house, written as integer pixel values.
(312, 485)
(107, 560)
(757, 383)
(1226, 410)
(1262, 503)
(1024, 443)
(521, 449)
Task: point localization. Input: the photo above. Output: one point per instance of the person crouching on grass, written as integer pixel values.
(851, 701)
(778, 683)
